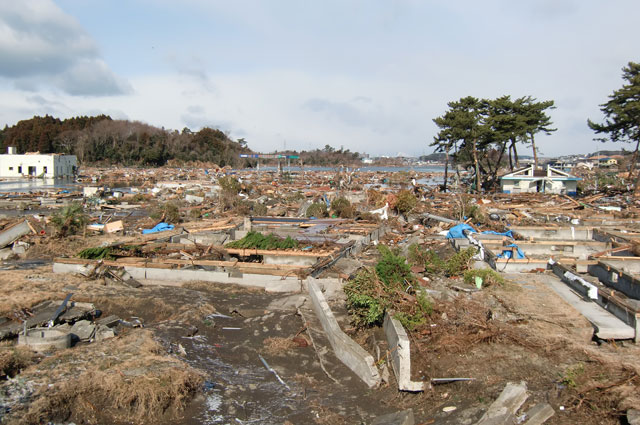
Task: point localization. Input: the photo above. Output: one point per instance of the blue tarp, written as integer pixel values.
(456, 232)
(160, 227)
(507, 252)
(508, 233)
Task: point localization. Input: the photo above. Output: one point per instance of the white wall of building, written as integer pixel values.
(38, 165)
(555, 186)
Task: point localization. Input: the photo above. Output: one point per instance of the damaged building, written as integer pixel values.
(35, 164)
(548, 180)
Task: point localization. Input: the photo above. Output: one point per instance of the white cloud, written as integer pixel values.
(91, 77)
(41, 46)
(370, 76)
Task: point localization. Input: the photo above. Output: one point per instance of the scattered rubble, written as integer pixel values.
(481, 290)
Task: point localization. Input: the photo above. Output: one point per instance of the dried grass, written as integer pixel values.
(13, 359)
(122, 379)
(277, 346)
(464, 323)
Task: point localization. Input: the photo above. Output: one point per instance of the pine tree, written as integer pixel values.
(622, 113)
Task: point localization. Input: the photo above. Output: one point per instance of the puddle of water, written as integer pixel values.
(239, 388)
(38, 185)
(23, 264)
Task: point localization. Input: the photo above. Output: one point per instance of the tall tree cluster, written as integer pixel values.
(622, 114)
(482, 134)
(103, 140)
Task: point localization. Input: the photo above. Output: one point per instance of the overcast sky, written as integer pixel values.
(369, 75)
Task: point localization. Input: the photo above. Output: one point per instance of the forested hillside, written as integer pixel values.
(101, 139)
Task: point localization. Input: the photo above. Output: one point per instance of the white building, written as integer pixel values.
(37, 165)
(550, 180)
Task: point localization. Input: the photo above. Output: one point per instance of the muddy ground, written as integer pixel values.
(198, 358)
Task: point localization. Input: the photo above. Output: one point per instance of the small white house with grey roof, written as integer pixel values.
(35, 164)
(549, 180)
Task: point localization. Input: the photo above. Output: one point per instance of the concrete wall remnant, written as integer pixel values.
(399, 350)
(13, 233)
(45, 339)
(347, 350)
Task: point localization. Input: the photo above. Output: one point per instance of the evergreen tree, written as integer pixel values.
(464, 123)
(536, 120)
(622, 113)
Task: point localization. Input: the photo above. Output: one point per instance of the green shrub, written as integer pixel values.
(489, 277)
(406, 201)
(572, 375)
(365, 300)
(256, 240)
(318, 210)
(259, 209)
(393, 269)
(433, 264)
(98, 253)
(367, 216)
(429, 259)
(229, 185)
(460, 261)
(419, 316)
(342, 208)
(168, 212)
(70, 220)
(368, 297)
(195, 213)
(294, 197)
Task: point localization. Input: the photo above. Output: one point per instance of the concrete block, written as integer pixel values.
(104, 332)
(296, 260)
(347, 350)
(506, 405)
(6, 254)
(404, 417)
(331, 287)
(284, 286)
(539, 414)
(399, 350)
(45, 339)
(82, 269)
(83, 329)
(13, 233)
(20, 247)
(633, 416)
(89, 191)
(193, 199)
(235, 273)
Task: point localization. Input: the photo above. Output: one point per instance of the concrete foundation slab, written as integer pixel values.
(607, 325)
(570, 233)
(176, 276)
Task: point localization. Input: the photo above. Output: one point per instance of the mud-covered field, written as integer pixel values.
(218, 354)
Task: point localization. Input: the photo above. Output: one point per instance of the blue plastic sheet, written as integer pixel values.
(160, 227)
(456, 232)
(507, 252)
(508, 233)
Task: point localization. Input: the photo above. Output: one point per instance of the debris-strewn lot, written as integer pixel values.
(148, 345)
